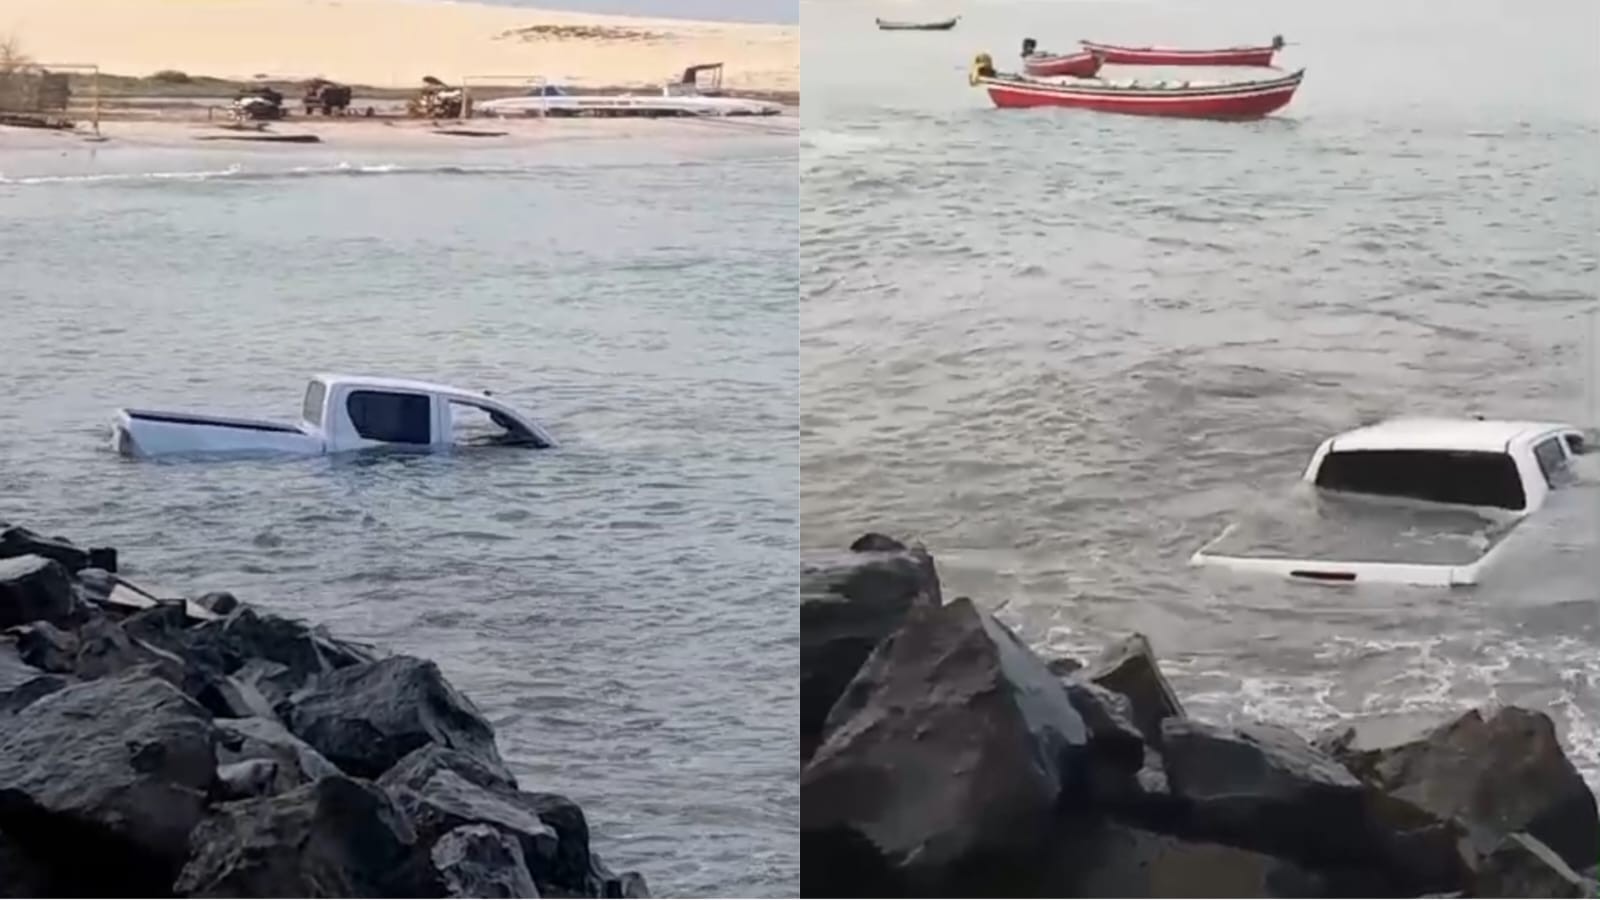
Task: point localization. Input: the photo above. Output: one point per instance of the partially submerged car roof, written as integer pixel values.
(401, 384)
(1482, 435)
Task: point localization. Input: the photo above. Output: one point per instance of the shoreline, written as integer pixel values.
(392, 44)
(202, 746)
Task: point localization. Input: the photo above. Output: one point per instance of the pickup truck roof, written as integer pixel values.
(399, 384)
(1490, 436)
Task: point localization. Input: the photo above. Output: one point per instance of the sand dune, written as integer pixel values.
(393, 43)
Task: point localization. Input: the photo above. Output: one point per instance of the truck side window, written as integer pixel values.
(1575, 444)
(1552, 461)
(391, 417)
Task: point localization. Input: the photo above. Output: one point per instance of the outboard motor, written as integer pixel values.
(1028, 46)
(1277, 42)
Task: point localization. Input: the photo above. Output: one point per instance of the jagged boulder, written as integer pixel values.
(336, 837)
(245, 635)
(294, 762)
(46, 647)
(116, 771)
(480, 861)
(17, 541)
(849, 603)
(448, 801)
(1522, 866)
(1496, 772)
(1129, 667)
(364, 718)
(33, 588)
(417, 767)
(1109, 859)
(945, 760)
(1264, 788)
(569, 869)
(105, 648)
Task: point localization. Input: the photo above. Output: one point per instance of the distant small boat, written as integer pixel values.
(946, 25)
(1175, 56)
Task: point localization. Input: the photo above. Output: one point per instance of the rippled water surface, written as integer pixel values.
(1066, 349)
(621, 608)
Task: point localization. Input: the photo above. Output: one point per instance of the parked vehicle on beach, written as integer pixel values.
(1407, 501)
(340, 413)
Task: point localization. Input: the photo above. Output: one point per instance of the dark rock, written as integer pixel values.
(572, 870)
(1129, 668)
(336, 837)
(104, 649)
(849, 603)
(295, 762)
(97, 584)
(23, 695)
(1124, 773)
(16, 541)
(1263, 788)
(873, 542)
(1522, 866)
(627, 886)
(14, 672)
(244, 635)
(575, 869)
(219, 602)
(248, 778)
(275, 682)
(116, 771)
(949, 753)
(479, 861)
(1496, 774)
(33, 588)
(449, 801)
(1107, 859)
(1063, 666)
(414, 770)
(228, 698)
(366, 717)
(103, 558)
(46, 647)
(164, 625)
(21, 876)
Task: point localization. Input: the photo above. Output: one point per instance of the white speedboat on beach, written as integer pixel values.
(339, 413)
(685, 97)
(1412, 501)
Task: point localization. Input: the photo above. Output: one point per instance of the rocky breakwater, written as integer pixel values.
(154, 747)
(942, 757)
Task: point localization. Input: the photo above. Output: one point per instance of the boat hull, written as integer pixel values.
(1075, 65)
(1251, 100)
(946, 25)
(1172, 56)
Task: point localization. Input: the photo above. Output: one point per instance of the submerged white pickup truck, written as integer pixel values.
(1407, 501)
(340, 413)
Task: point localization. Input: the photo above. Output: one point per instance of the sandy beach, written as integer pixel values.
(393, 43)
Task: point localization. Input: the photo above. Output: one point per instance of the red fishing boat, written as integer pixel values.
(1174, 56)
(1049, 65)
(1185, 99)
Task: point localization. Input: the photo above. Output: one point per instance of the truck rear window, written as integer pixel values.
(1441, 476)
(311, 409)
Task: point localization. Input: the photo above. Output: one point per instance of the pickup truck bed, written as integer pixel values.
(1346, 538)
(175, 418)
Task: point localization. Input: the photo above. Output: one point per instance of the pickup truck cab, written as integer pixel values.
(339, 413)
(1407, 501)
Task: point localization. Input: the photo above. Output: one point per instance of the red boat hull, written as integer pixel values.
(1172, 56)
(1076, 65)
(1249, 100)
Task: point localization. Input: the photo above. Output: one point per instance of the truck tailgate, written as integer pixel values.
(1325, 537)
